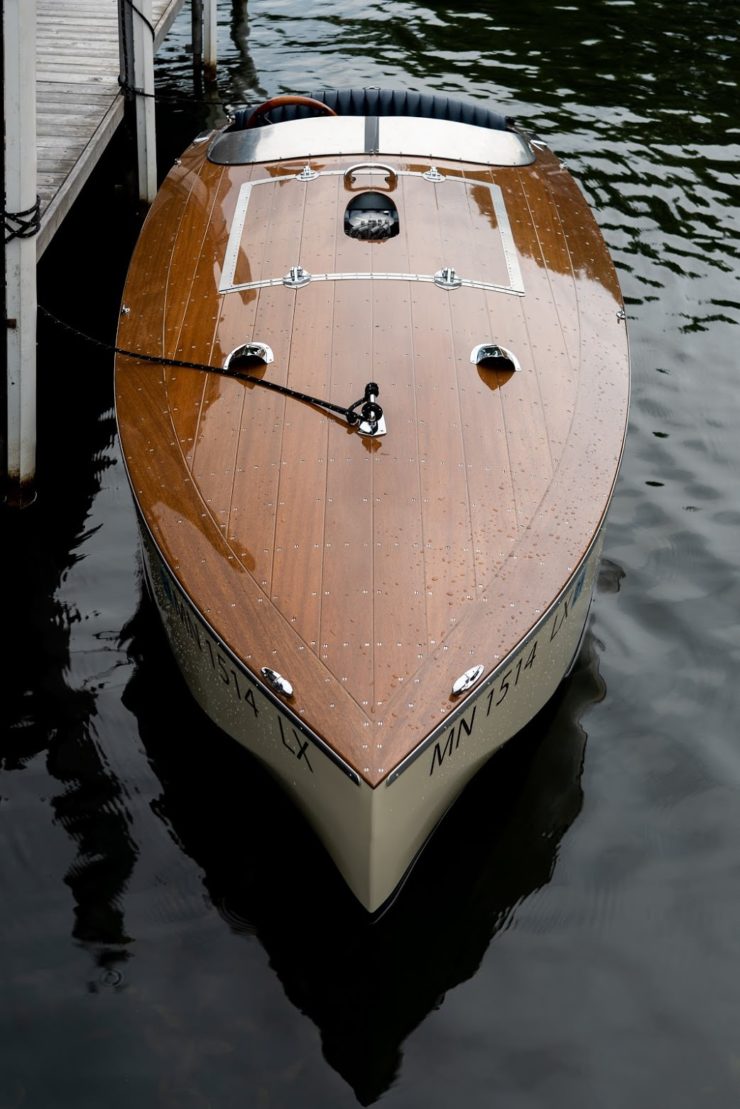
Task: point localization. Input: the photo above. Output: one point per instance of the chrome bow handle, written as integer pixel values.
(390, 174)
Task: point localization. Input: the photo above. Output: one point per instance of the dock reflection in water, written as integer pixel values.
(365, 982)
(66, 828)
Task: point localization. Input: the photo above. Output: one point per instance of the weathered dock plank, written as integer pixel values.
(79, 103)
(53, 139)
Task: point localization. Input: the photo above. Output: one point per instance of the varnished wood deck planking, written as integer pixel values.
(79, 103)
(386, 562)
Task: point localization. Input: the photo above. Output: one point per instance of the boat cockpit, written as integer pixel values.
(370, 122)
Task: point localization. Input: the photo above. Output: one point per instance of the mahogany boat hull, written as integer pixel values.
(373, 612)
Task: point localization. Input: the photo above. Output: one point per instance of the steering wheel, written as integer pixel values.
(284, 102)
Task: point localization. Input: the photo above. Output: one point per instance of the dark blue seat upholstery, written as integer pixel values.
(385, 102)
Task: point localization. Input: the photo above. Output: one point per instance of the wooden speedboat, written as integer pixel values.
(373, 463)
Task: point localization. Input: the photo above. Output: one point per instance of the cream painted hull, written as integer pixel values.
(373, 834)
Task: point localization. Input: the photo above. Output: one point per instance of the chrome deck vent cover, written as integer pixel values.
(256, 349)
(495, 357)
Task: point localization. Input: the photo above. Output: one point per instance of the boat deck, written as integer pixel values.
(374, 572)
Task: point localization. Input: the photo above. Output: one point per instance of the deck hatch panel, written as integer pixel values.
(478, 228)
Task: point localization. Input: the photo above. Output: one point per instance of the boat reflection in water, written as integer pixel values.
(365, 982)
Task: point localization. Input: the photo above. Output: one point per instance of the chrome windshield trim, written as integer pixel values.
(454, 142)
(295, 138)
(410, 136)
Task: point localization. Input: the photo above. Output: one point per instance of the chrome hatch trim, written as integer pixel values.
(227, 284)
(464, 282)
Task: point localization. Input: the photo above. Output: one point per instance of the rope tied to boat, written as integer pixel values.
(365, 414)
(131, 90)
(147, 23)
(23, 225)
(124, 79)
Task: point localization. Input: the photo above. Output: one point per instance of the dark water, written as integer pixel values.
(171, 935)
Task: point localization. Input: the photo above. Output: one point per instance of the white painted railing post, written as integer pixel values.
(196, 30)
(210, 34)
(19, 60)
(146, 141)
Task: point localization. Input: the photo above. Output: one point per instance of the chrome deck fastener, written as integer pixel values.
(467, 680)
(277, 682)
(447, 278)
(370, 420)
(307, 174)
(296, 277)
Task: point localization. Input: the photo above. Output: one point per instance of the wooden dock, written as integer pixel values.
(79, 101)
(63, 99)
